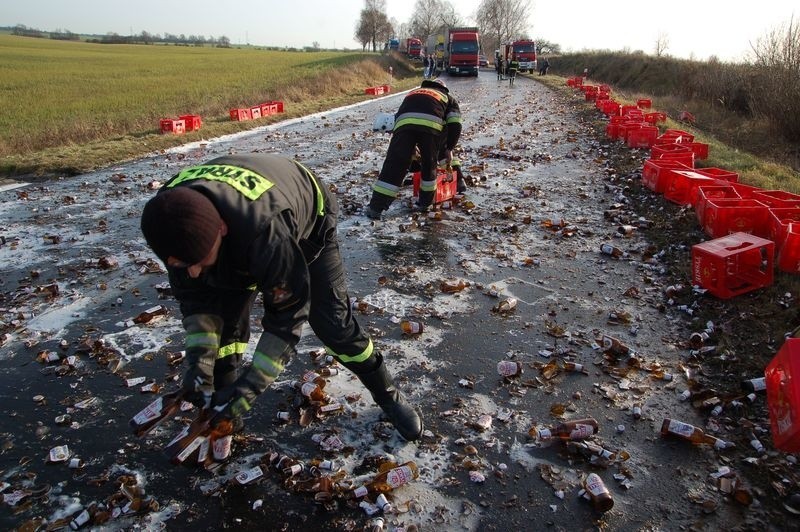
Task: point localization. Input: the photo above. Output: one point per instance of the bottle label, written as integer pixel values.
(310, 376)
(360, 491)
(332, 407)
(544, 434)
(221, 448)
(135, 381)
(184, 431)
(399, 476)
(250, 475)
(202, 455)
(595, 485)
(581, 432)
(80, 520)
(508, 368)
(308, 388)
(680, 428)
(150, 412)
(759, 384)
(189, 449)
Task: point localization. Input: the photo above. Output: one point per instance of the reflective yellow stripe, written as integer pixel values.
(236, 348)
(320, 197)
(391, 192)
(418, 122)
(361, 357)
(202, 339)
(265, 364)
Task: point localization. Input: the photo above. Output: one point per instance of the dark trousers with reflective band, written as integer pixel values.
(330, 315)
(398, 159)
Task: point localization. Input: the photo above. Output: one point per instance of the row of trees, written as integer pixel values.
(498, 21)
(114, 38)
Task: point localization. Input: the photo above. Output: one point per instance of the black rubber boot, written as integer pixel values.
(405, 418)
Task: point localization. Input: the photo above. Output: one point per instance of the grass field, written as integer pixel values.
(57, 95)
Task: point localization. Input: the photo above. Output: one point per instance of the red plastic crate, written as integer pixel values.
(610, 107)
(778, 222)
(679, 135)
(654, 173)
(702, 194)
(642, 137)
(386, 89)
(745, 191)
(782, 377)
(678, 188)
(723, 216)
(278, 105)
(777, 198)
(255, 112)
(626, 109)
(718, 173)
(644, 103)
(655, 117)
(659, 150)
(789, 249)
(192, 122)
(700, 149)
(240, 114)
(626, 127)
(172, 125)
(733, 265)
(446, 185)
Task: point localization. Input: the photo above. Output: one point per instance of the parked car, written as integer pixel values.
(483, 61)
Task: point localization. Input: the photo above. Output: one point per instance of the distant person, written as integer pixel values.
(428, 116)
(428, 62)
(544, 67)
(499, 66)
(513, 67)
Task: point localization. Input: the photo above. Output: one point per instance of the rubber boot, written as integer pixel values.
(405, 418)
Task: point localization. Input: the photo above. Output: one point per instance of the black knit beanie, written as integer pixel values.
(182, 223)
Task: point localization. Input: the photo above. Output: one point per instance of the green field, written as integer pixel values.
(59, 95)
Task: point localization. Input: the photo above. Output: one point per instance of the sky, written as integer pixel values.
(696, 29)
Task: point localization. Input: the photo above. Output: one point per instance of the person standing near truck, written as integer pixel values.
(513, 67)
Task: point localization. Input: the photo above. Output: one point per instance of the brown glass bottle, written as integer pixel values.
(390, 479)
(696, 435)
(598, 492)
(155, 413)
(577, 429)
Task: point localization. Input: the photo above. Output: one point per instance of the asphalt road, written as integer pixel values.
(530, 161)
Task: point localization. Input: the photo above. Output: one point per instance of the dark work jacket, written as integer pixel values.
(277, 219)
(430, 109)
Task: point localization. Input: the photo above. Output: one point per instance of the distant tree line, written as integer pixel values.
(114, 38)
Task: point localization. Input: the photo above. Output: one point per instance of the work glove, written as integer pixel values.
(231, 402)
(202, 344)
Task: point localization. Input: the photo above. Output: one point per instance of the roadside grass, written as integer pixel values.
(738, 144)
(70, 107)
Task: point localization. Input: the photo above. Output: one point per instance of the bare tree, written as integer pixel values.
(777, 62)
(501, 21)
(662, 44)
(373, 26)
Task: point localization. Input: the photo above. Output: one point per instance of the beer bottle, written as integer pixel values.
(189, 440)
(758, 384)
(598, 492)
(411, 327)
(577, 429)
(155, 413)
(147, 316)
(450, 286)
(390, 479)
(509, 368)
(614, 346)
(312, 390)
(611, 250)
(696, 435)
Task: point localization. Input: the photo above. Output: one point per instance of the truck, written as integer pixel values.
(413, 48)
(393, 44)
(461, 51)
(525, 52)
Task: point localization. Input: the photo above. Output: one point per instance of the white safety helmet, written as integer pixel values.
(438, 82)
(383, 122)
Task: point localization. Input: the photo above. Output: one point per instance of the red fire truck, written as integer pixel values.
(525, 52)
(413, 48)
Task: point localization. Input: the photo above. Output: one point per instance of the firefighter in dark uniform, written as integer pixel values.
(241, 225)
(513, 68)
(427, 116)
